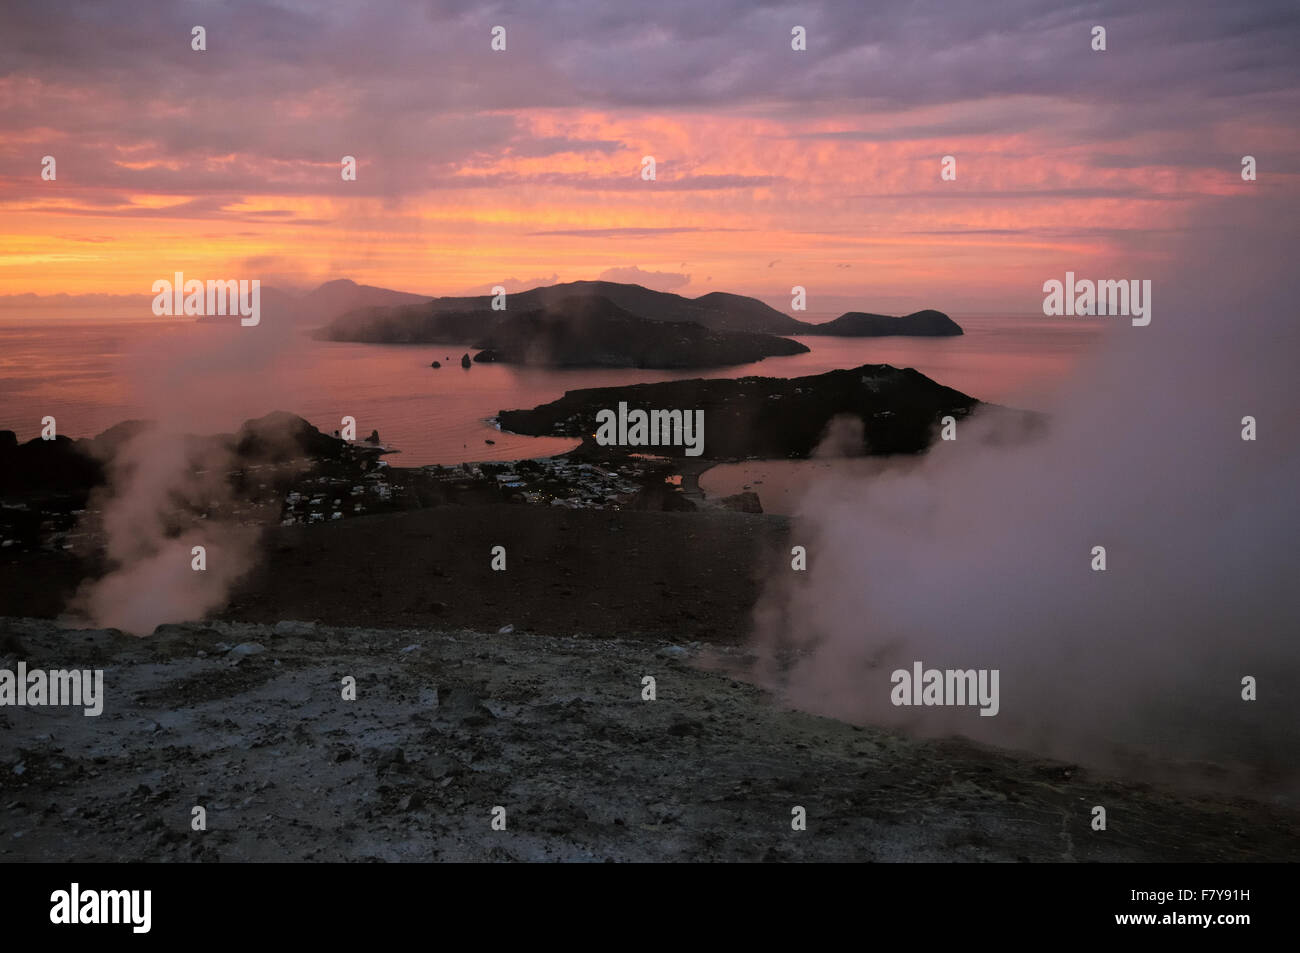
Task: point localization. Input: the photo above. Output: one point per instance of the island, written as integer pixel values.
(860, 324)
(900, 410)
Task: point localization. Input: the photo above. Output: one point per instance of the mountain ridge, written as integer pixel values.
(594, 332)
(716, 311)
(347, 307)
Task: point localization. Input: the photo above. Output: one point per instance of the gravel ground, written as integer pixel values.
(248, 721)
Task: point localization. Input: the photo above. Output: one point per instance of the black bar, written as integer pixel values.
(329, 903)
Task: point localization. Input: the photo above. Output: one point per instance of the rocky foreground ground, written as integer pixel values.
(248, 721)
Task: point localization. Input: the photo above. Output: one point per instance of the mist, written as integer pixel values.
(979, 554)
(168, 493)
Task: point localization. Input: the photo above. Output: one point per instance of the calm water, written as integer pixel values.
(207, 378)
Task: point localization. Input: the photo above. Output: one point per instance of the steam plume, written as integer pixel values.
(979, 557)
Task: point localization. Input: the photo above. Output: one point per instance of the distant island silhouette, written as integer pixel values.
(612, 324)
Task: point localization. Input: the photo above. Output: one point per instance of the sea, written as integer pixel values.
(208, 378)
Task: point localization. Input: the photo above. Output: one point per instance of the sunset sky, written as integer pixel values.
(774, 167)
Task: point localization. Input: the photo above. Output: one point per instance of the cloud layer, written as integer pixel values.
(474, 163)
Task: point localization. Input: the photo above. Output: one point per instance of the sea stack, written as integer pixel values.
(464, 361)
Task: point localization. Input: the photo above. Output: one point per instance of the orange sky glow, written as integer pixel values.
(751, 196)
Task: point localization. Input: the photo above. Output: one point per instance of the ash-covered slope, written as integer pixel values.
(247, 719)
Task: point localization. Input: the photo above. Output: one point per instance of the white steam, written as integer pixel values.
(980, 556)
